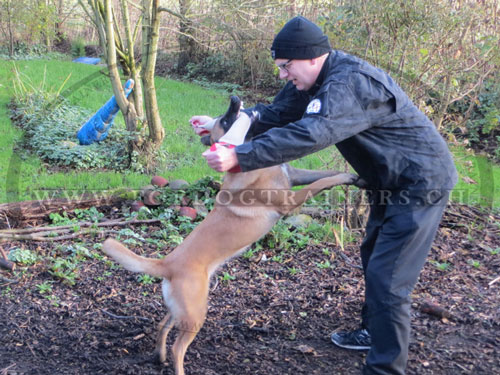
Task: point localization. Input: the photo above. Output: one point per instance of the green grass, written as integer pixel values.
(27, 178)
(24, 177)
(479, 179)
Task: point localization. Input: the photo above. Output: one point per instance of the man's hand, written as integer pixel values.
(222, 159)
(199, 124)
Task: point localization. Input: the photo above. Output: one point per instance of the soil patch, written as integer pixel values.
(265, 316)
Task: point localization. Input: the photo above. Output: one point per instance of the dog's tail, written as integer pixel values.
(133, 262)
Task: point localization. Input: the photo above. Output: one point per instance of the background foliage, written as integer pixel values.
(445, 53)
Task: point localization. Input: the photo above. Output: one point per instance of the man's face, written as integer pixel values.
(302, 73)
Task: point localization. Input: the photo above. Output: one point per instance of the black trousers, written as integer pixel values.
(399, 235)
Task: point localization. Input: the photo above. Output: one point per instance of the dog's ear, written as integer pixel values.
(223, 123)
(231, 115)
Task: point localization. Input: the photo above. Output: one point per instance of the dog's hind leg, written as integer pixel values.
(163, 329)
(299, 177)
(298, 197)
(190, 294)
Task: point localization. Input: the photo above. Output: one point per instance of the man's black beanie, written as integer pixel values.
(300, 39)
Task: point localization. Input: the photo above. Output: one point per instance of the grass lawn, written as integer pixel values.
(25, 177)
(479, 179)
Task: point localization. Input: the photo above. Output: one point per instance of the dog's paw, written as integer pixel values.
(353, 179)
(345, 178)
(160, 357)
(359, 182)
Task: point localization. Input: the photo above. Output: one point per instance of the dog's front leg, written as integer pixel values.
(187, 297)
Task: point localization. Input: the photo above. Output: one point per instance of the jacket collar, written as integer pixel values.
(322, 74)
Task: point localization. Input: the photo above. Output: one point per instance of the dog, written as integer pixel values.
(258, 199)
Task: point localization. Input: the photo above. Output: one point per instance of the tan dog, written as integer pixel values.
(246, 208)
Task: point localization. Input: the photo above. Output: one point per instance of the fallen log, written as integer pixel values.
(434, 309)
(5, 262)
(60, 233)
(14, 214)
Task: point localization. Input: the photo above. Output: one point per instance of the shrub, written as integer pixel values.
(23, 51)
(481, 119)
(214, 67)
(78, 47)
(92, 50)
(50, 129)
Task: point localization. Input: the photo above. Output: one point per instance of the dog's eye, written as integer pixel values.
(225, 124)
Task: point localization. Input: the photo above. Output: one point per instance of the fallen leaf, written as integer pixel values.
(306, 349)
(469, 180)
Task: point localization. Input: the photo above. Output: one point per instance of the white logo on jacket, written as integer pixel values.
(314, 106)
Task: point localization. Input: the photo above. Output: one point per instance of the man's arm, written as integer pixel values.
(338, 116)
(288, 106)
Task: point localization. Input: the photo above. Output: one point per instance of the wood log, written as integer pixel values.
(8, 265)
(5, 262)
(52, 234)
(436, 310)
(13, 214)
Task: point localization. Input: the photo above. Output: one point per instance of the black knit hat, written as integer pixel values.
(300, 39)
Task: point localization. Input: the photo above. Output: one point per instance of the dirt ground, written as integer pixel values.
(265, 316)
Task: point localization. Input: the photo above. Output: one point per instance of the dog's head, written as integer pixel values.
(223, 123)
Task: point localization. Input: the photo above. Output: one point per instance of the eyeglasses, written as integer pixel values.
(284, 67)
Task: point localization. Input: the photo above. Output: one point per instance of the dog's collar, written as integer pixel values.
(235, 169)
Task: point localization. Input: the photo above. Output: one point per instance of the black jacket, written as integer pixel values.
(388, 141)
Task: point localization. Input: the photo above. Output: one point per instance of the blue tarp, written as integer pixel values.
(88, 60)
(97, 127)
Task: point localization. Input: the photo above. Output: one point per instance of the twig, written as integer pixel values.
(5, 263)
(80, 224)
(54, 229)
(462, 367)
(348, 260)
(125, 317)
(494, 281)
(8, 281)
(7, 220)
(215, 284)
(2, 253)
(5, 370)
(43, 233)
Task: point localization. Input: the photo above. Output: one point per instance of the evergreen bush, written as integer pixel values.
(50, 129)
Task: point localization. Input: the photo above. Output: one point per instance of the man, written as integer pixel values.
(332, 98)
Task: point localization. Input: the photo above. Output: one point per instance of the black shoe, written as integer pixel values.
(357, 340)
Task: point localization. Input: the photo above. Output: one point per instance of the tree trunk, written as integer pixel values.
(444, 102)
(134, 70)
(142, 105)
(97, 16)
(150, 35)
(126, 107)
(187, 43)
(9, 26)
